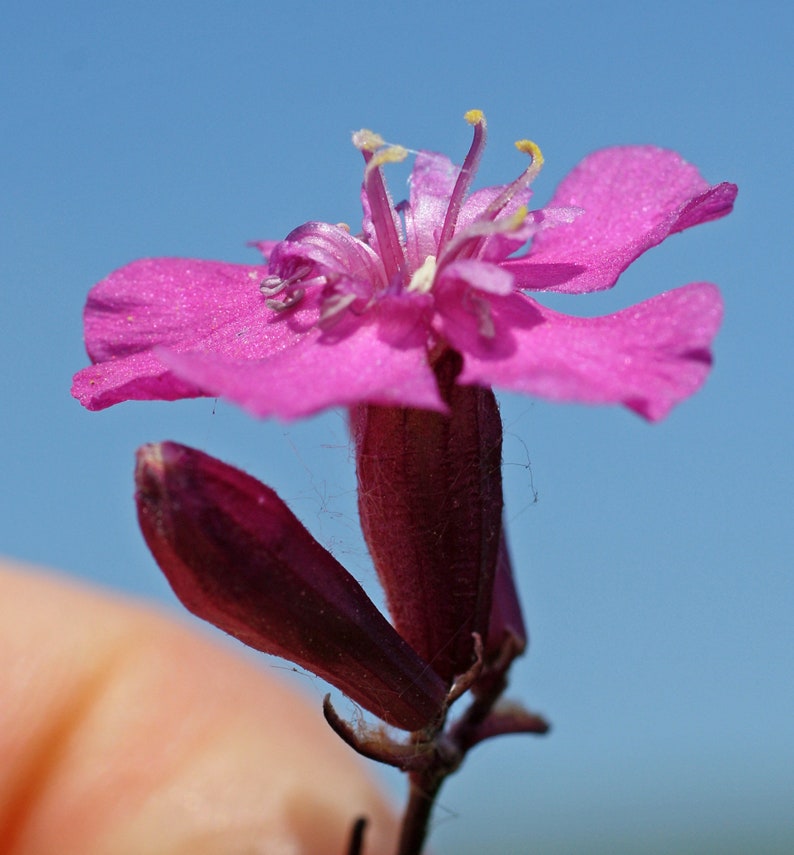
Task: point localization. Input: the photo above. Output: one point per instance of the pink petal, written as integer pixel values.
(168, 301)
(648, 357)
(329, 250)
(475, 206)
(139, 377)
(633, 198)
(264, 246)
(432, 182)
(322, 370)
(496, 244)
(476, 274)
(179, 304)
(163, 329)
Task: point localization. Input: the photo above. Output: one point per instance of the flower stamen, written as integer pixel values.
(288, 302)
(469, 241)
(366, 140)
(384, 218)
(274, 284)
(390, 154)
(465, 247)
(332, 308)
(465, 176)
(523, 180)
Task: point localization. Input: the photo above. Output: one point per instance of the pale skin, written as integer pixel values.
(123, 731)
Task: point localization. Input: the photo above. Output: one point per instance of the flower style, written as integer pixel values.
(340, 319)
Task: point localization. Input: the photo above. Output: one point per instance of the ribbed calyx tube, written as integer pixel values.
(237, 557)
(430, 501)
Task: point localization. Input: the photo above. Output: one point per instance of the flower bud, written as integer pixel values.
(237, 557)
(430, 500)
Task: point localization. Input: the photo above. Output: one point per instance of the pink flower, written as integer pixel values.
(337, 319)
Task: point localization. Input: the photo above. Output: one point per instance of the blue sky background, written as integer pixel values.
(656, 563)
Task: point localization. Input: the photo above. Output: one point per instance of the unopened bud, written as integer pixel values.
(237, 557)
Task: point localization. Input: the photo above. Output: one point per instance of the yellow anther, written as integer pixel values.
(517, 219)
(474, 117)
(365, 140)
(391, 154)
(532, 149)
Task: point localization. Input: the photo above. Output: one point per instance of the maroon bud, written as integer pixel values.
(237, 557)
(430, 500)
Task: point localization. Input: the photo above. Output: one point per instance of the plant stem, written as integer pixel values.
(424, 789)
